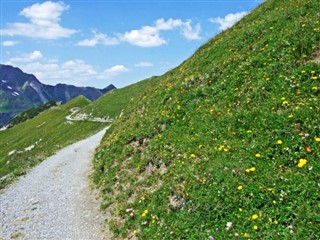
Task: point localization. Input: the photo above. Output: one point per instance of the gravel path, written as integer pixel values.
(54, 200)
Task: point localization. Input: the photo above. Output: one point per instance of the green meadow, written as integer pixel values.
(226, 145)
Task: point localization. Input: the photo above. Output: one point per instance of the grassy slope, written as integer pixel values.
(220, 138)
(51, 127)
(30, 113)
(112, 103)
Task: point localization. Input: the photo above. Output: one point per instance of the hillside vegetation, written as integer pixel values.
(28, 143)
(225, 146)
(114, 102)
(31, 113)
(39, 133)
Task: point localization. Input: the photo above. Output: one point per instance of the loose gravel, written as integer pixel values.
(55, 200)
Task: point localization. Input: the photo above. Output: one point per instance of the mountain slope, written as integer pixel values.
(20, 91)
(227, 144)
(30, 142)
(31, 113)
(113, 103)
(21, 147)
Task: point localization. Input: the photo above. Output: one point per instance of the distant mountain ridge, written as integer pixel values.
(20, 91)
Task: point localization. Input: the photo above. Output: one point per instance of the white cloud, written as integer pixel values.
(44, 22)
(29, 57)
(189, 32)
(146, 36)
(78, 66)
(170, 24)
(35, 55)
(116, 69)
(229, 20)
(52, 71)
(9, 43)
(149, 36)
(144, 64)
(99, 38)
(113, 71)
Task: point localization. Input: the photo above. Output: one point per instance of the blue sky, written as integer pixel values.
(102, 42)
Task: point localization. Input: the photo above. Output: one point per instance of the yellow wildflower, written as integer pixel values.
(252, 169)
(240, 187)
(302, 162)
(221, 148)
(204, 180)
(135, 231)
(192, 155)
(317, 139)
(258, 155)
(145, 212)
(254, 217)
(285, 103)
(279, 142)
(255, 227)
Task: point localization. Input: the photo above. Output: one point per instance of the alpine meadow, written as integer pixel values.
(226, 145)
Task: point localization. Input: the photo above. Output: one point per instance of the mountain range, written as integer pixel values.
(20, 91)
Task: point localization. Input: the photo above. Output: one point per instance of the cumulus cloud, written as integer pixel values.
(113, 71)
(29, 57)
(52, 71)
(78, 66)
(146, 36)
(189, 32)
(9, 43)
(44, 22)
(161, 24)
(99, 38)
(229, 20)
(144, 64)
(149, 36)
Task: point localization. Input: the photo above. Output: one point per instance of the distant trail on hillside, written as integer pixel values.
(54, 200)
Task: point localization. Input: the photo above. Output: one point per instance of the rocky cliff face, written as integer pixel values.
(20, 91)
